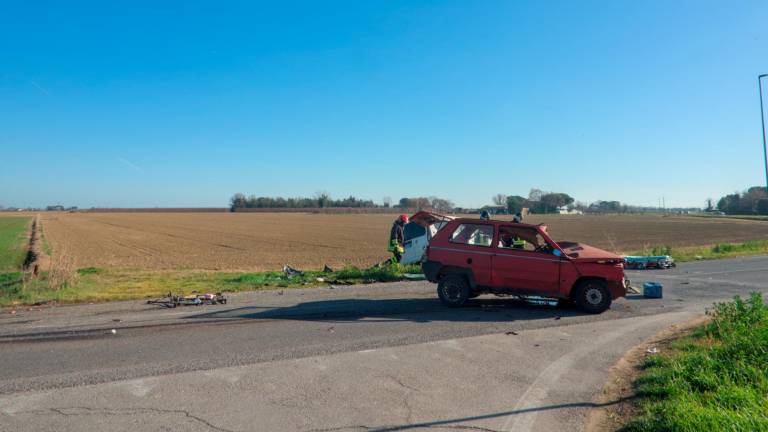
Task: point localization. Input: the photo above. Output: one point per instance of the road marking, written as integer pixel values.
(549, 378)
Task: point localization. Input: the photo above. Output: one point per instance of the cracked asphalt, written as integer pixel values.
(384, 357)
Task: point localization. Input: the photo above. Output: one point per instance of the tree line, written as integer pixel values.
(538, 201)
(324, 200)
(753, 201)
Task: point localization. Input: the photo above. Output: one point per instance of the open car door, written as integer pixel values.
(417, 233)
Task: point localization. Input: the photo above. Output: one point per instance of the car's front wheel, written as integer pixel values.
(592, 296)
(453, 290)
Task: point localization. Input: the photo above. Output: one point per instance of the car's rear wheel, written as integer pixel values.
(592, 296)
(453, 290)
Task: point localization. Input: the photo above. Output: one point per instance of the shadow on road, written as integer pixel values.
(416, 310)
(458, 422)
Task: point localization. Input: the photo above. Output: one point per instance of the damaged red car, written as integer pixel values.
(470, 257)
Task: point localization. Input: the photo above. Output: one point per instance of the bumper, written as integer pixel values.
(431, 270)
(617, 289)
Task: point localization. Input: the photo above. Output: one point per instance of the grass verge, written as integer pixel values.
(718, 251)
(13, 242)
(93, 284)
(715, 379)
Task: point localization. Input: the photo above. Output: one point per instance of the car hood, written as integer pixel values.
(581, 252)
(425, 218)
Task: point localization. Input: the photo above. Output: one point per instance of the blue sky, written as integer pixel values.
(185, 103)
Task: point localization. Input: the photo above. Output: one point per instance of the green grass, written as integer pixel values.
(13, 243)
(718, 251)
(93, 284)
(713, 380)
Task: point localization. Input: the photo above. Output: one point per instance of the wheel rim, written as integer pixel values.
(593, 295)
(451, 291)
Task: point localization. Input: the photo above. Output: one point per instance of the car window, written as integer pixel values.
(522, 238)
(413, 230)
(473, 234)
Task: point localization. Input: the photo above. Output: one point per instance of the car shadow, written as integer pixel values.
(399, 309)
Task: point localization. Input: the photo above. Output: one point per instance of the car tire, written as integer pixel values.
(453, 290)
(592, 296)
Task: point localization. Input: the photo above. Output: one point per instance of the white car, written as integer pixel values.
(417, 233)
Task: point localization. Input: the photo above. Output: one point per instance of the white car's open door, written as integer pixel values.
(417, 233)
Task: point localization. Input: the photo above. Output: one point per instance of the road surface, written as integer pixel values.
(379, 357)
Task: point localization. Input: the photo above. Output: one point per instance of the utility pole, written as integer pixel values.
(762, 122)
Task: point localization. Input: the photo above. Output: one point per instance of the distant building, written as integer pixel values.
(567, 211)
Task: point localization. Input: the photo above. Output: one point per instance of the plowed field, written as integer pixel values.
(266, 241)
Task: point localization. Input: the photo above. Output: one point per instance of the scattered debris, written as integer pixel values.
(698, 258)
(652, 350)
(414, 276)
(652, 290)
(331, 329)
(646, 262)
(113, 331)
(331, 286)
(327, 269)
(117, 320)
(171, 301)
(291, 272)
(320, 279)
(557, 317)
(511, 333)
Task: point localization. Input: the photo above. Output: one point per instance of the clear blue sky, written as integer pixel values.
(185, 103)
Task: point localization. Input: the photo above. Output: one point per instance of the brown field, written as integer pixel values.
(266, 241)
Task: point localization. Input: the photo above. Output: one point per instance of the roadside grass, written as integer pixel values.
(717, 251)
(715, 379)
(13, 250)
(93, 284)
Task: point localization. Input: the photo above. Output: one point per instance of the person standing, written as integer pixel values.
(396, 237)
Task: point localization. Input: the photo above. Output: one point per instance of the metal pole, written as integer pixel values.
(762, 122)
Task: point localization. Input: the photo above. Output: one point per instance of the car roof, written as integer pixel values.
(494, 222)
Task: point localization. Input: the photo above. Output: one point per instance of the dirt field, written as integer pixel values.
(257, 241)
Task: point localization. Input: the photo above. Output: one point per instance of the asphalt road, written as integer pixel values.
(376, 357)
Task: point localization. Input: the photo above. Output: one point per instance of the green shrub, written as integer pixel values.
(719, 381)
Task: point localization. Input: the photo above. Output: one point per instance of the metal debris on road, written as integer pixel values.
(171, 300)
(291, 272)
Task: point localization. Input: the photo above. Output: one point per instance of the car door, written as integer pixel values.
(524, 269)
(414, 242)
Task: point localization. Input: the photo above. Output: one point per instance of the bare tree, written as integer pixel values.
(499, 199)
(535, 194)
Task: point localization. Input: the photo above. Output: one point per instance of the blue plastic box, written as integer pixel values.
(652, 290)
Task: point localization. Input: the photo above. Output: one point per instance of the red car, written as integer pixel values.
(469, 257)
